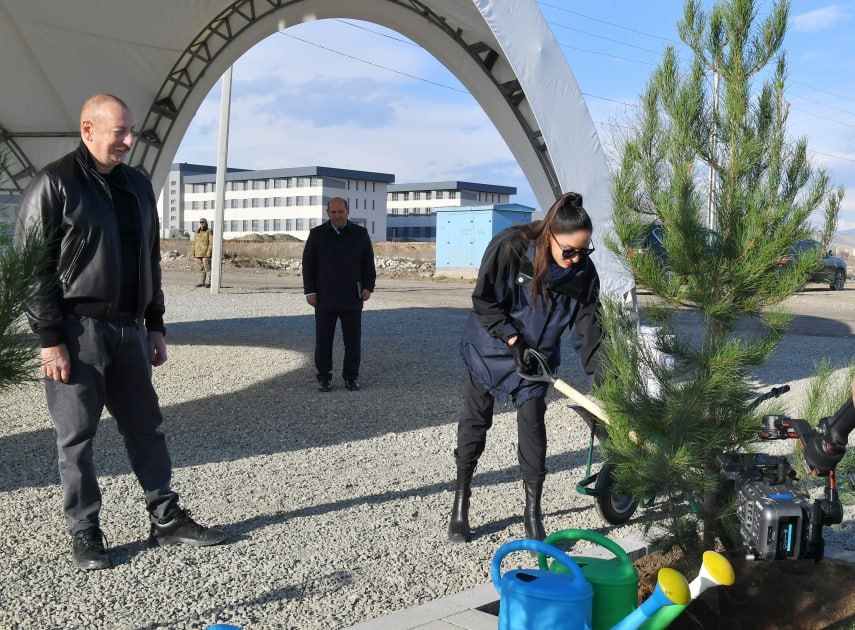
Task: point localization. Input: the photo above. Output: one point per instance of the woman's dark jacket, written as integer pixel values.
(338, 265)
(71, 202)
(502, 307)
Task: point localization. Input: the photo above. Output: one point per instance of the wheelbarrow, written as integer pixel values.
(614, 507)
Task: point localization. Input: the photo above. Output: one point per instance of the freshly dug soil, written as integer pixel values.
(796, 595)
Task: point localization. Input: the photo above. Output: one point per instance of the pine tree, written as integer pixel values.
(723, 236)
(18, 269)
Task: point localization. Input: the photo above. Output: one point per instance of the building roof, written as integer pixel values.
(452, 185)
(187, 167)
(299, 171)
(505, 207)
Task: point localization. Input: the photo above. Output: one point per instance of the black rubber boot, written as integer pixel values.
(458, 526)
(532, 518)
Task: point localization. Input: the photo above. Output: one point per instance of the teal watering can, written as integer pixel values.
(532, 598)
(614, 580)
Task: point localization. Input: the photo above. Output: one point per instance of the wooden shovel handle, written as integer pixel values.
(583, 401)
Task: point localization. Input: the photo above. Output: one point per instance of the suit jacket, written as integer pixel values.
(338, 266)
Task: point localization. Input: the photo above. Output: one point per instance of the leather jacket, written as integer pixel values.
(71, 203)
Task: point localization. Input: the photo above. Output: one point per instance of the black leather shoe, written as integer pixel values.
(324, 385)
(181, 529)
(352, 385)
(201, 284)
(88, 550)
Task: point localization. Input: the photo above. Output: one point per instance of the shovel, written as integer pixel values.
(545, 375)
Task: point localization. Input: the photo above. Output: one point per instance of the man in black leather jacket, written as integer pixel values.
(98, 312)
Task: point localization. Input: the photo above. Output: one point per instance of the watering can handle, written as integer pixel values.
(537, 546)
(584, 534)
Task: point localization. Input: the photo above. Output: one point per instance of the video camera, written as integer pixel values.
(778, 521)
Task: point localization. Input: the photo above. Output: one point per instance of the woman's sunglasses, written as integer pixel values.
(572, 252)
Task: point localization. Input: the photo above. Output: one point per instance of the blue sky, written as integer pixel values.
(297, 103)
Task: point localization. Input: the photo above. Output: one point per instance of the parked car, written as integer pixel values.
(831, 271)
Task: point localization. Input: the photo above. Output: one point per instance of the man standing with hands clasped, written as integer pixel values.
(338, 277)
(98, 312)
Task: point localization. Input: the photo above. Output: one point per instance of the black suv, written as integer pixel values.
(831, 271)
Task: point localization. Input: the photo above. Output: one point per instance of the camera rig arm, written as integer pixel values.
(825, 446)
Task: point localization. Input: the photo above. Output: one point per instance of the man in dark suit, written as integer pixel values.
(338, 277)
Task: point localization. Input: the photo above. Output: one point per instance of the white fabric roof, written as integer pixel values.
(53, 55)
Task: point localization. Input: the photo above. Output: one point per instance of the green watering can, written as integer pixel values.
(615, 580)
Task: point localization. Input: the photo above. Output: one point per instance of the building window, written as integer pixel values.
(289, 225)
(268, 201)
(277, 225)
(394, 211)
(279, 183)
(439, 194)
(313, 200)
(428, 195)
(452, 194)
(394, 196)
(428, 211)
(244, 203)
(289, 201)
(258, 184)
(233, 203)
(268, 225)
(234, 226)
(300, 201)
(298, 224)
(256, 202)
(245, 225)
(406, 196)
(256, 225)
(417, 195)
(406, 212)
(302, 182)
(313, 181)
(313, 223)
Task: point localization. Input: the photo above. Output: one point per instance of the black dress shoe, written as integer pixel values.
(324, 385)
(352, 385)
(88, 550)
(181, 529)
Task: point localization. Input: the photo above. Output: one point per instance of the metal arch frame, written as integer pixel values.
(17, 168)
(20, 171)
(216, 36)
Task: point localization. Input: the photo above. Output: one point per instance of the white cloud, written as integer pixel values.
(821, 19)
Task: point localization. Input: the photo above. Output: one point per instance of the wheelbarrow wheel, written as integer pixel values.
(613, 507)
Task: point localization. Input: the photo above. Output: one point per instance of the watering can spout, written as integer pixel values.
(671, 589)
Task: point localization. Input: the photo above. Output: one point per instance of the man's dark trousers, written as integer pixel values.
(351, 332)
(110, 366)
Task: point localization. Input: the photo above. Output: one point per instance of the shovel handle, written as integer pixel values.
(583, 401)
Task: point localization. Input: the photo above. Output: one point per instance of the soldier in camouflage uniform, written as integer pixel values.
(203, 243)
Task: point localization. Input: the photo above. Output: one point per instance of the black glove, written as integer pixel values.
(525, 364)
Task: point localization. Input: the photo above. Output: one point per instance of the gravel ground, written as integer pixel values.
(335, 504)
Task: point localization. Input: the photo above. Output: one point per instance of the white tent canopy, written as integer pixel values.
(163, 57)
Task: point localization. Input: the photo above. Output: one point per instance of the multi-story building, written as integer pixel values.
(287, 200)
(410, 207)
